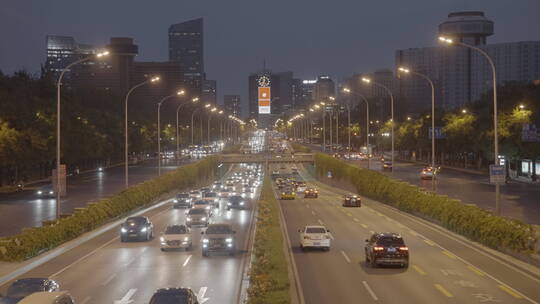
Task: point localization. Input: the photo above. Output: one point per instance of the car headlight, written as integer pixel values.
(188, 219)
(186, 239)
(51, 192)
(40, 192)
(205, 240)
(124, 230)
(162, 239)
(228, 240)
(176, 201)
(228, 204)
(143, 229)
(203, 219)
(241, 203)
(207, 208)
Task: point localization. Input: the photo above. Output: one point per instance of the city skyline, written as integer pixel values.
(229, 45)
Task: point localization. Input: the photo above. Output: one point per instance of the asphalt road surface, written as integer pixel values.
(26, 209)
(104, 270)
(518, 200)
(444, 268)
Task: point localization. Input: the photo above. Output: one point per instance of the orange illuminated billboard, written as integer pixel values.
(264, 100)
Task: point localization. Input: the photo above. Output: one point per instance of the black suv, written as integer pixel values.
(218, 237)
(182, 200)
(24, 287)
(174, 296)
(386, 249)
(136, 227)
(236, 202)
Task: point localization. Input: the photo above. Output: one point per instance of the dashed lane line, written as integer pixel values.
(476, 270)
(364, 226)
(86, 300)
(418, 269)
(109, 279)
(187, 261)
(443, 291)
(510, 291)
(430, 243)
(345, 256)
(321, 222)
(448, 254)
(370, 291)
(356, 220)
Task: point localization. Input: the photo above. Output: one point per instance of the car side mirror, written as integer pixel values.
(327, 230)
(234, 232)
(367, 241)
(202, 232)
(299, 230)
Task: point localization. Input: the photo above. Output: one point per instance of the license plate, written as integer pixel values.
(132, 234)
(316, 243)
(391, 249)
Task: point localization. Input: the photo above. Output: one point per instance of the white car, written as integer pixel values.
(314, 237)
(195, 194)
(175, 237)
(45, 297)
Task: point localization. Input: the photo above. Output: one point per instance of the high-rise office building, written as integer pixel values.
(232, 104)
(209, 91)
(186, 46)
(462, 75)
(63, 50)
(324, 88)
(281, 91)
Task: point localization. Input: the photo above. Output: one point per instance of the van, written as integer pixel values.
(44, 297)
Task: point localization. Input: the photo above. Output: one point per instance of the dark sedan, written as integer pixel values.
(136, 227)
(386, 249)
(174, 296)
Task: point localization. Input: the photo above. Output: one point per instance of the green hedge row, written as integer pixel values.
(33, 241)
(269, 280)
(298, 148)
(468, 220)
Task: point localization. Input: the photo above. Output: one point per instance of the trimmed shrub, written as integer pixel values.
(33, 241)
(269, 280)
(473, 222)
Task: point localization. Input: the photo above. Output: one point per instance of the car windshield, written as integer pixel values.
(219, 229)
(390, 241)
(315, 230)
(210, 194)
(21, 289)
(235, 198)
(194, 192)
(176, 229)
(197, 211)
(182, 195)
(169, 298)
(135, 220)
(201, 203)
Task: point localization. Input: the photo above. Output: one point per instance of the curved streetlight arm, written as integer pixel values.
(367, 114)
(64, 70)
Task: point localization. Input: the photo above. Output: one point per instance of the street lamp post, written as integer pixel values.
(58, 129)
(495, 126)
(346, 90)
(367, 80)
(179, 93)
(407, 71)
(209, 117)
(126, 172)
(194, 100)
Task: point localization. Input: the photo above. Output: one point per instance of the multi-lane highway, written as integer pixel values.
(444, 267)
(26, 209)
(105, 270)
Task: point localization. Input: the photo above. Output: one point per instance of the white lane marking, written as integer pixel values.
(321, 223)
(109, 279)
(200, 295)
(82, 258)
(345, 256)
(371, 293)
(331, 236)
(308, 206)
(126, 299)
(313, 212)
(356, 220)
(187, 261)
(371, 232)
(86, 300)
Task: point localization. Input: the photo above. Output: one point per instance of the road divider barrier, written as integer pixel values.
(33, 241)
(232, 149)
(269, 281)
(504, 234)
(298, 148)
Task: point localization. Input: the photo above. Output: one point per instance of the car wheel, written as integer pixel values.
(327, 248)
(302, 247)
(405, 265)
(373, 262)
(204, 254)
(122, 239)
(162, 249)
(228, 209)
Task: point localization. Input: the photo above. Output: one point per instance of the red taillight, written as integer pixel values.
(404, 248)
(378, 248)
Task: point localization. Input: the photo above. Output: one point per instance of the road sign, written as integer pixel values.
(496, 174)
(59, 187)
(530, 133)
(329, 174)
(438, 133)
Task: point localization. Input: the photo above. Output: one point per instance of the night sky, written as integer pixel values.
(309, 38)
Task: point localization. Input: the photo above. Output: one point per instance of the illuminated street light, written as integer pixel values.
(522, 106)
(464, 111)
